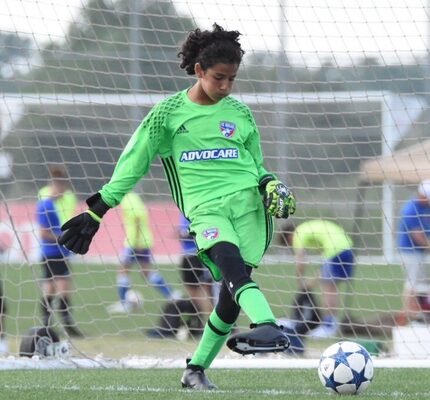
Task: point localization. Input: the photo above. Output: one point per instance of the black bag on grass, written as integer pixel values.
(176, 314)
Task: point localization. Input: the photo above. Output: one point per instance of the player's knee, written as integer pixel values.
(227, 258)
(226, 308)
(223, 253)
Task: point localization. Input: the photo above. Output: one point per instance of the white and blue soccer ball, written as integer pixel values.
(134, 300)
(346, 368)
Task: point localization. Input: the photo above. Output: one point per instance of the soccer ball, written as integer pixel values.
(134, 299)
(346, 368)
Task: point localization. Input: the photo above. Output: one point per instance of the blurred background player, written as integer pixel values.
(196, 278)
(65, 204)
(137, 250)
(56, 271)
(414, 245)
(335, 246)
(202, 291)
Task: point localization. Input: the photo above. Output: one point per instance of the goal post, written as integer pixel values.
(283, 146)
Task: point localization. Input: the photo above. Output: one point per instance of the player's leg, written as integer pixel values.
(265, 336)
(254, 229)
(244, 290)
(416, 285)
(194, 279)
(48, 292)
(248, 215)
(216, 331)
(196, 283)
(218, 237)
(123, 280)
(153, 276)
(4, 348)
(330, 304)
(336, 270)
(63, 288)
(121, 306)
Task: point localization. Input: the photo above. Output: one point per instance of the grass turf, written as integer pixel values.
(297, 384)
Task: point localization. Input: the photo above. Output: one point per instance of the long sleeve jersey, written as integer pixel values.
(207, 151)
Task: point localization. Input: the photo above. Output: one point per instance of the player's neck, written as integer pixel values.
(197, 95)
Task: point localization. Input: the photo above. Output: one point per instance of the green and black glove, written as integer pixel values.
(79, 231)
(278, 199)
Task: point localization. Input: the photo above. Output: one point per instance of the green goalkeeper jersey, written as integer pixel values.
(207, 151)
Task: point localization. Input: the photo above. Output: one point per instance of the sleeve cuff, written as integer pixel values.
(264, 180)
(97, 205)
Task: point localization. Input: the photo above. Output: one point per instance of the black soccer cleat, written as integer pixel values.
(263, 338)
(197, 380)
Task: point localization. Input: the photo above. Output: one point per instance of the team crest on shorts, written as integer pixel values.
(211, 233)
(227, 129)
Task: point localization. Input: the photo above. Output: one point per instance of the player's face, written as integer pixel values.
(59, 187)
(216, 82)
(423, 199)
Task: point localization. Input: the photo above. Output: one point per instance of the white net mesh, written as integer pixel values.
(333, 87)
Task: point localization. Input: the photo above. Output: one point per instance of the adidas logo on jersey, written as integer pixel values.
(181, 129)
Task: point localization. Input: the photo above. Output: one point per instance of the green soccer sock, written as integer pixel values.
(214, 336)
(254, 304)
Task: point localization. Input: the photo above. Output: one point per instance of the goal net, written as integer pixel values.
(339, 96)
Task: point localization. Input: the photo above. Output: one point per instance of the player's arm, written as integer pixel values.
(47, 235)
(133, 163)
(278, 199)
(414, 227)
(420, 239)
(300, 243)
(300, 266)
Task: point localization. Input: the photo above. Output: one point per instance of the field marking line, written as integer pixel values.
(130, 389)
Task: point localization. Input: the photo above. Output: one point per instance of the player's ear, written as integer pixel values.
(198, 70)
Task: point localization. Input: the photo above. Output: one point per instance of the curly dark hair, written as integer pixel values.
(209, 48)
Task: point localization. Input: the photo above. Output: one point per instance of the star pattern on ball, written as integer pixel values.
(341, 357)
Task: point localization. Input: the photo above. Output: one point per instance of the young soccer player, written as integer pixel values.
(65, 204)
(334, 244)
(137, 250)
(210, 148)
(195, 276)
(57, 281)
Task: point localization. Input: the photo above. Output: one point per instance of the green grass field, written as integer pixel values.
(377, 289)
(297, 384)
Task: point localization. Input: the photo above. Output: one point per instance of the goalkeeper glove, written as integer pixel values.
(278, 200)
(79, 231)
